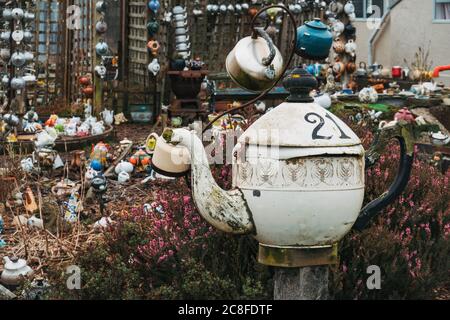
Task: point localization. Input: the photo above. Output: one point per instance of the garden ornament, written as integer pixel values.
(255, 63)
(287, 163)
(298, 177)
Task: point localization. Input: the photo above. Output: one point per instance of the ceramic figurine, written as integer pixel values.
(72, 208)
(108, 116)
(140, 160)
(368, 95)
(30, 202)
(119, 119)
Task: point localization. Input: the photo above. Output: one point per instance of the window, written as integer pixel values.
(370, 8)
(442, 10)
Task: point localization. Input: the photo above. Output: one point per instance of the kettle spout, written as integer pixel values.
(224, 210)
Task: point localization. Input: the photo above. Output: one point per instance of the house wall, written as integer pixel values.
(410, 26)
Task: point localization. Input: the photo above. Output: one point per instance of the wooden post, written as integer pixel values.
(308, 283)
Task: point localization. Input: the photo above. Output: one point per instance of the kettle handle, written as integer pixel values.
(263, 34)
(404, 133)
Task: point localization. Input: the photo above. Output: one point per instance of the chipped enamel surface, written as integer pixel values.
(298, 174)
(225, 210)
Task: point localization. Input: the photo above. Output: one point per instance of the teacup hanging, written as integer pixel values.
(101, 27)
(154, 6)
(100, 6)
(101, 71)
(154, 47)
(101, 48)
(17, 13)
(152, 27)
(349, 7)
(154, 67)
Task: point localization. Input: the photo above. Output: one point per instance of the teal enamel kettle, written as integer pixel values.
(314, 40)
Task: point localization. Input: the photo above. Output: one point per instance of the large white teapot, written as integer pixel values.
(298, 174)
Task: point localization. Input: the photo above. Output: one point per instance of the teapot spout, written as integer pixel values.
(224, 210)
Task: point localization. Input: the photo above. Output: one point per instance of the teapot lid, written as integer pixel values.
(317, 24)
(300, 122)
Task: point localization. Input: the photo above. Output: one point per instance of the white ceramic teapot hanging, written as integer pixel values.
(349, 7)
(101, 71)
(350, 47)
(17, 13)
(101, 48)
(255, 63)
(338, 28)
(5, 35)
(17, 35)
(7, 14)
(101, 27)
(154, 67)
(18, 59)
(29, 16)
(100, 6)
(336, 7)
(5, 80)
(18, 83)
(28, 56)
(15, 270)
(178, 10)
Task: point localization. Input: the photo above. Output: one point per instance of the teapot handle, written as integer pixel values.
(263, 34)
(404, 133)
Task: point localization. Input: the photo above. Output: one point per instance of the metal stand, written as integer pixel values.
(308, 283)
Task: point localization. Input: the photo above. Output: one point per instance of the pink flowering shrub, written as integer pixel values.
(167, 251)
(409, 241)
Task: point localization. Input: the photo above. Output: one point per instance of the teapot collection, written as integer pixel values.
(17, 29)
(101, 48)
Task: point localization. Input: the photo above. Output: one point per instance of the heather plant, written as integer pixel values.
(409, 241)
(169, 252)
